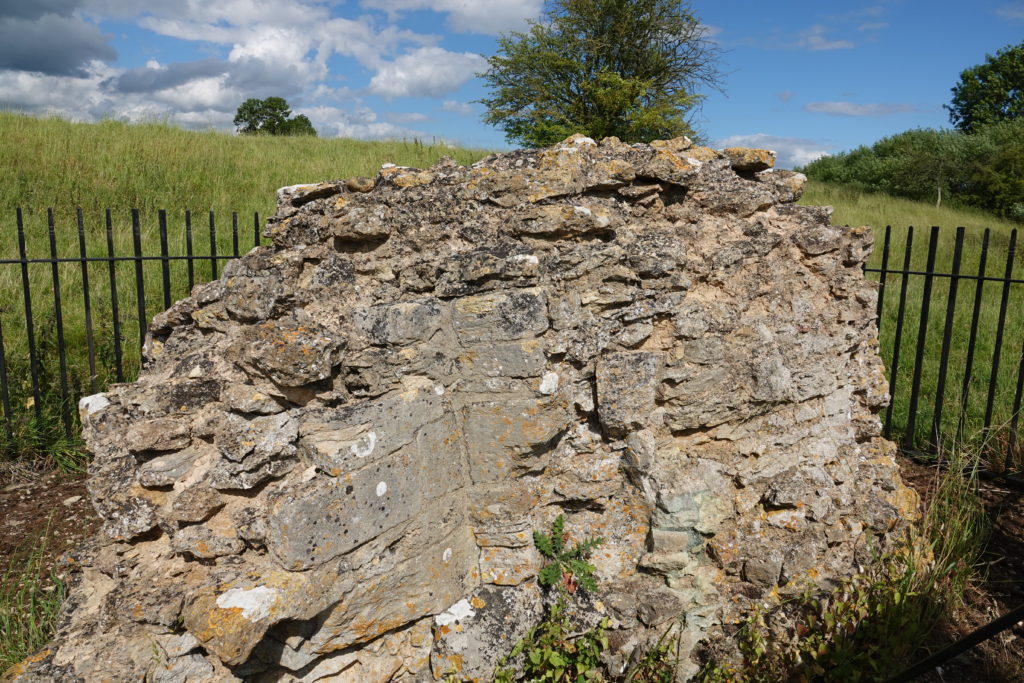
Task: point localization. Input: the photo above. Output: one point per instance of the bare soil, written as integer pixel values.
(46, 505)
(999, 589)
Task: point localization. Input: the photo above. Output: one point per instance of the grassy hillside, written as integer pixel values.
(853, 207)
(52, 162)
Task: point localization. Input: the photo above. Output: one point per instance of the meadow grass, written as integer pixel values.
(48, 163)
(961, 417)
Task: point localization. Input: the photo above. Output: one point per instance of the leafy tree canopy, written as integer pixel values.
(270, 117)
(990, 92)
(628, 68)
(984, 169)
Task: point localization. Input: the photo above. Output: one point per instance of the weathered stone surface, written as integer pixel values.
(332, 464)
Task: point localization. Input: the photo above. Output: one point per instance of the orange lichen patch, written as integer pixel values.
(477, 602)
(702, 153)
(22, 666)
(405, 178)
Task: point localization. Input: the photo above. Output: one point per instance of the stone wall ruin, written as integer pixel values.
(335, 456)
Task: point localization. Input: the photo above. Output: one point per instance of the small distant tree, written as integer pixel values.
(990, 92)
(270, 117)
(628, 68)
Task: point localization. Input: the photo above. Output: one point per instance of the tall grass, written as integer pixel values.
(52, 163)
(853, 207)
(30, 598)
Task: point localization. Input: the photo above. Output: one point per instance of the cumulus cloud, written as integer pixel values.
(426, 72)
(469, 16)
(50, 43)
(854, 109)
(54, 58)
(814, 39)
(791, 152)
(155, 77)
(456, 107)
(407, 117)
(361, 122)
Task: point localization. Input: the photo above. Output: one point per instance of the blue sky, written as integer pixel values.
(803, 78)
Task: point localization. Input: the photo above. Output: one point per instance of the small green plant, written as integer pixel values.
(659, 663)
(568, 568)
(553, 650)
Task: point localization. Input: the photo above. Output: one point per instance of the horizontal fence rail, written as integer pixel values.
(963, 351)
(76, 294)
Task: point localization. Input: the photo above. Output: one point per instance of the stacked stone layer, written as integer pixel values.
(332, 463)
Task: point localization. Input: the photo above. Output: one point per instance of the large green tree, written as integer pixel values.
(271, 117)
(628, 68)
(990, 92)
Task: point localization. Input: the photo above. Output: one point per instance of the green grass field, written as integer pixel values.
(53, 163)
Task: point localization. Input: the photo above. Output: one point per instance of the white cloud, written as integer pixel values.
(854, 109)
(1013, 12)
(790, 152)
(426, 72)
(469, 16)
(814, 39)
(407, 117)
(873, 26)
(361, 123)
(460, 108)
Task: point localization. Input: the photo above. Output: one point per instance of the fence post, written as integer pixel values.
(922, 338)
(112, 268)
(59, 315)
(26, 290)
(947, 334)
(90, 346)
(140, 288)
(894, 370)
(994, 377)
(975, 317)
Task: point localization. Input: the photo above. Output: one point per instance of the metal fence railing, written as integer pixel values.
(962, 351)
(76, 296)
(71, 289)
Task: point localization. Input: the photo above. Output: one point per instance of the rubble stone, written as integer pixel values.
(334, 457)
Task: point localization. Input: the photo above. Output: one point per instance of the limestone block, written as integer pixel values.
(501, 316)
(627, 384)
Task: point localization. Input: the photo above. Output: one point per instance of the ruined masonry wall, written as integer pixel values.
(332, 463)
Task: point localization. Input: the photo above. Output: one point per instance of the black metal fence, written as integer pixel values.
(75, 300)
(72, 324)
(954, 359)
